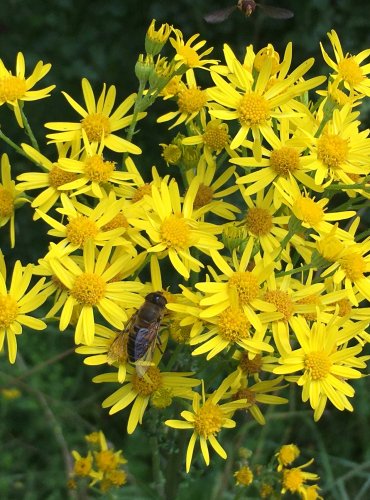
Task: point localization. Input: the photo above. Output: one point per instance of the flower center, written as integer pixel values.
(171, 153)
(6, 203)
(310, 299)
(354, 266)
(12, 88)
(175, 232)
(318, 364)
(189, 55)
(292, 479)
(98, 170)
(147, 385)
(350, 71)
(244, 476)
(191, 100)
(345, 307)
(88, 289)
(332, 150)
(288, 453)
(246, 285)
(250, 366)
(162, 398)
(82, 466)
(203, 196)
(208, 420)
(284, 160)
(306, 210)
(8, 310)
(253, 109)
(247, 394)
(141, 192)
(106, 460)
(118, 221)
(282, 301)
(258, 221)
(96, 126)
(216, 135)
(233, 325)
(58, 177)
(81, 229)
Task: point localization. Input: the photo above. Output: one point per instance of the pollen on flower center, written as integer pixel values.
(247, 394)
(12, 88)
(80, 229)
(203, 196)
(250, 366)
(310, 299)
(189, 56)
(149, 383)
(191, 100)
(141, 191)
(88, 289)
(98, 170)
(175, 232)
(292, 479)
(350, 71)
(345, 307)
(6, 203)
(306, 210)
(8, 310)
(162, 398)
(332, 150)
(318, 364)
(246, 285)
(253, 109)
(96, 126)
(106, 460)
(233, 325)
(58, 177)
(353, 265)
(284, 160)
(208, 420)
(282, 301)
(258, 221)
(118, 221)
(216, 135)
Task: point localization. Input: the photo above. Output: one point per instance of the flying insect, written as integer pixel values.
(248, 7)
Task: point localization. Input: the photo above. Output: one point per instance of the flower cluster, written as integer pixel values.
(248, 228)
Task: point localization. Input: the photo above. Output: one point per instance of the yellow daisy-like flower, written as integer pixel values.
(142, 390)
(252, 102)
(173, 227)
(83, 466)
(98, 121)
(206, 420)
(293, 480)
(15, 89)
(341, 153)
(325, 361)
(16, 303)
(191, 101)
(238, 288)
(244, 476)
(88, 224)
(52, 179)
(10, 198)
(286, 455)
(187, 52)
(348, 68)
(90, 287)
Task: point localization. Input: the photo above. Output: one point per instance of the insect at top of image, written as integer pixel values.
(140, 336)
(248, 7)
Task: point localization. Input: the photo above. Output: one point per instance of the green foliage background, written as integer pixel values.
(101, 40)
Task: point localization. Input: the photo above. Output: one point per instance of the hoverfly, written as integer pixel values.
(140, 335)
(248, 7)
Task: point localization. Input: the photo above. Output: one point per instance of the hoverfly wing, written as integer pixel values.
(218, 16)
(118, 349)
(276, 12)
(145, 343)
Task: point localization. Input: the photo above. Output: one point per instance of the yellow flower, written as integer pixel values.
(14, 89)
(251, 101)
(156, 39)
(294, 480)
(90, 288)
(187, 52)
(243, 476)
(348, 68)
(53, 179)
(286, 455)
(15, 305)
(206, 420)
(10, 198)
(82, 465)
(98, 121)
(173, 227)
(140, 390)
(325, 362)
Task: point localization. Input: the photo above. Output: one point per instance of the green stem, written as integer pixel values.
(12, 144)
(29, 131)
